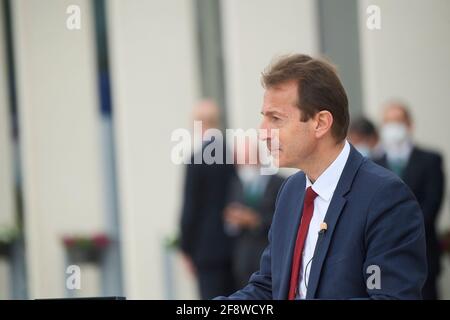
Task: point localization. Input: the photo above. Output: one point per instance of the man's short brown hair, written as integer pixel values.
(318, 88)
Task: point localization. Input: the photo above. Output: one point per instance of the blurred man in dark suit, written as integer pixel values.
(206, 247)
(249, 213)
(363, 135)
(422, 171)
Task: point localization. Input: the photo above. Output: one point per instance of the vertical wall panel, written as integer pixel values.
(59, 122)
(154, 86)
(255, 31)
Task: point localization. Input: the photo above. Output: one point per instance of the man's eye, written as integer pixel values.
(275, 118)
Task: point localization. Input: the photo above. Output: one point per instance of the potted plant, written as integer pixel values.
(84, 248)
(8, 234)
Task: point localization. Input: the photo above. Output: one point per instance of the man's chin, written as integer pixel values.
(282, 164)
(276, 158)
(279, 162)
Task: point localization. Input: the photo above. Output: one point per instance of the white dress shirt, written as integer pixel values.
(324, 186)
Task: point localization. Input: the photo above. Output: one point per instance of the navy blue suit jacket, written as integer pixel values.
(373, 219)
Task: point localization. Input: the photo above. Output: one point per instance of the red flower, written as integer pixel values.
(101, 240)
(69, 241)
(96, 241)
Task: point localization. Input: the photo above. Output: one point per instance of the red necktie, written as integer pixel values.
(308, 209)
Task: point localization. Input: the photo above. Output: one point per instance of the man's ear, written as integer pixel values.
(323, 123)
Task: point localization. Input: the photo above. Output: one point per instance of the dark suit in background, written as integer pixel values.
(249, 243)
(424, 175)
(203, 236)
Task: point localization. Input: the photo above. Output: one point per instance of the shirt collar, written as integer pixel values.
(325, 185)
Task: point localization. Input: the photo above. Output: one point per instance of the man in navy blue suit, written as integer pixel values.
(344, 227)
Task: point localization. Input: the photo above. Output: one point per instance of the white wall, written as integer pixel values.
(6, 165)
(59, 127)
(409, 58)
(154, 85)
(256, 31)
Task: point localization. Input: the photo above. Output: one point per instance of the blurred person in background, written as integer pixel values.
(249, 212)
(422, 171)
(364, 136)
(205, 245)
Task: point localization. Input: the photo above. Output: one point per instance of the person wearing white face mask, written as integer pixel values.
(422, 171)
(396, 140)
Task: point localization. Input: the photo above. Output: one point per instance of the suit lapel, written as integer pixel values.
(334, 211)
(295, 210)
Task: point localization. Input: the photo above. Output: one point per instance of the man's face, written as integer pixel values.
(296, 138)
(395, 114)
(396, 129)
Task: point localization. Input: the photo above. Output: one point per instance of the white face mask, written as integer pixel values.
(393, 135)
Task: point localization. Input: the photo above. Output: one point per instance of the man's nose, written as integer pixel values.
(264, 133)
